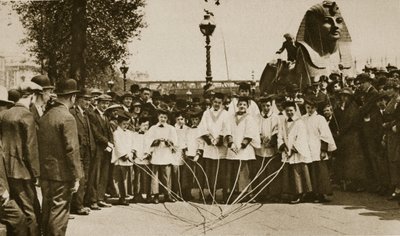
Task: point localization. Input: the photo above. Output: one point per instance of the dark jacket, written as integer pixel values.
(101, 129)
(85, 134)
(59, 146)
(35, 114)
(20, 144)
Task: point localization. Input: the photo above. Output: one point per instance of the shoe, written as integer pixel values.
(70, 217)
(296, 201)
(153, 199)
(122, 202)
(81, 212)
(138, 199)
(94, 207)
(103, 204)
(394, 197)
(169, 199)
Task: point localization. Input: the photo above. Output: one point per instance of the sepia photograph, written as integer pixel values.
(199, 117)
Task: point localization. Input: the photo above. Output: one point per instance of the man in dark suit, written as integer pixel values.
(41, 98)
(20, 145)
(10, 213)
(59, 159)
(99, 168)
(87, 148)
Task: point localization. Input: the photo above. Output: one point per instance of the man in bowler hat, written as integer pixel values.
(59, 159)
(38, 107)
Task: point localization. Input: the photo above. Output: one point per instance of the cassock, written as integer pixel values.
(142, 178)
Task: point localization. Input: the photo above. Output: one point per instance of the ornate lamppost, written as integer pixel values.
(124, 69)
(207, 27)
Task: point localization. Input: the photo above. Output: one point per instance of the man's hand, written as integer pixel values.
(76, 186)
(5, 198)
(323, 155)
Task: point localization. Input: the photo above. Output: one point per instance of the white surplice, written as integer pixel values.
(194, 142)
(161, 155)
(268, 128)
(240, 127)
(294, 135)
(181, 132)
(317, 131)
(140, 147)
(213, 123)
(123, 145)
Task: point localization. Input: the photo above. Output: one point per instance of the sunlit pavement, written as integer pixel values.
(348, 213)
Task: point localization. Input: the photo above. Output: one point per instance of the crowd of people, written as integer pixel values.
(88, 149)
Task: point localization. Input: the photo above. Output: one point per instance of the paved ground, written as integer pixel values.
(349, 213)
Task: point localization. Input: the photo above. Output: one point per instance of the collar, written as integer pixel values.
(80, 109)
(161, 125)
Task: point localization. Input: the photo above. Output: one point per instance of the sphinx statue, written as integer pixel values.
(324, 47)
(324, 43)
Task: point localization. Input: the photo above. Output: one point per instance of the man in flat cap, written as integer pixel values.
(59, 159)
(21, 157)
(99, 168)
(38, 107)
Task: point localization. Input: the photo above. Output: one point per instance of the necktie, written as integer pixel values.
(280, 113)
(194, 127)
(290, 120)
(141, 132)
(161, 126)
(181, 127)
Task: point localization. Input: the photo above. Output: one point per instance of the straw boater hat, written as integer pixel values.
(28, 87)
(4, 97)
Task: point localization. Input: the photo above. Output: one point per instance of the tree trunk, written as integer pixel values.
(78, 43)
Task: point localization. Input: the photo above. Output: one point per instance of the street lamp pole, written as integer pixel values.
(207, 27)
(124, 69)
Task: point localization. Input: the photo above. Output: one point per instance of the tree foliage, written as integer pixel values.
(108, 26)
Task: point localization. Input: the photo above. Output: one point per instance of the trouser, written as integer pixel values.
(161, 173)
(238, 175)
(142, 179)
(24, 194)
(120, 180)
(56, 203)
(296, 179)
(320, 180)
(79, 196)
(215, 174)
(98, 176)
(14, 219)
(176, 179)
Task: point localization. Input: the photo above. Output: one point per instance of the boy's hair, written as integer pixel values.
(287, 104)
(243, 99)
(219, 96)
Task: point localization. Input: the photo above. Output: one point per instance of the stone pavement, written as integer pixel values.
(348, 213)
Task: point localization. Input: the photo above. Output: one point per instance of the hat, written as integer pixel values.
(104, 97)
(364, 77)
(96, 91)
(394, 71)
(244, 86)
(66, 87)
(267, 98)
(123, 115)
(84, 93)
(391, 67)
(163, 109)
(293, 88)
(29, 87)
(381, 70)
(347, 91)
(4, 96)
(196, 101)
(314, 81)
(113, 107)
(126, 94)
(43, 81)
(195, 112)
(310, 101)
(14, 95)
(136, 103)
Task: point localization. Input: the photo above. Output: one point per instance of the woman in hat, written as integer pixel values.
(350, 166)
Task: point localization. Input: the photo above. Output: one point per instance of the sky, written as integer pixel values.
(172, 46)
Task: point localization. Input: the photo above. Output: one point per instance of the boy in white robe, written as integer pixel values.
(213, 131)
(195, 146)
(244, 91)
(160, 141)
(179, 160)
(122, 156)
(293, 144)
(268, 159)
(321, 142)
(243, 136)
(142, 163)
